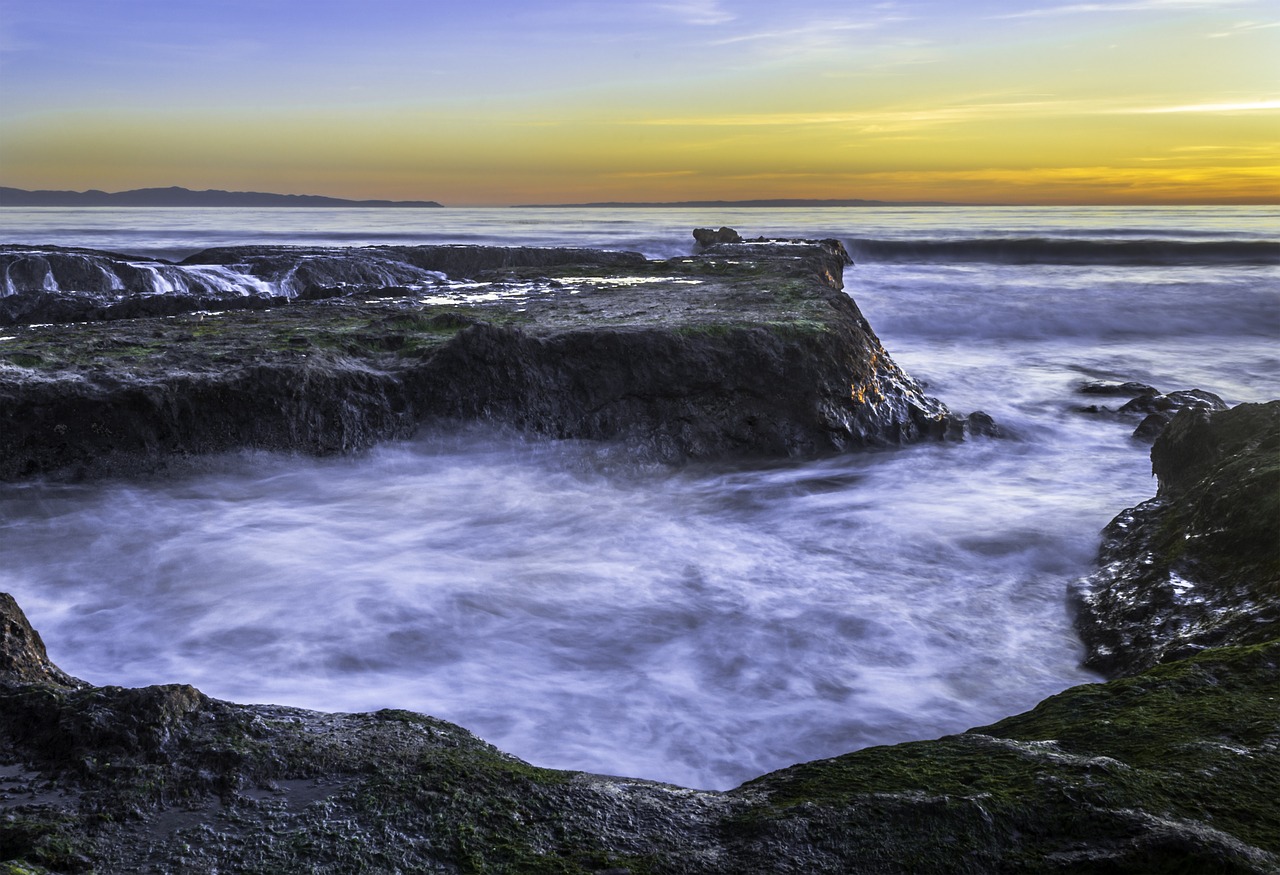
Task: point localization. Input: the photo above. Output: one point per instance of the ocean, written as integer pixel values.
(697, 624)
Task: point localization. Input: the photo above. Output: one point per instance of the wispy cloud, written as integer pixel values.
(884, 120)
(1243, 106)
(816, 32)
(1125, 6)
(1245, 27)
(704, 12)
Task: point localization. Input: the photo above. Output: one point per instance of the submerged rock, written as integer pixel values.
(1130, 389)
(1154, 407)
(1198, 565)
(1169, 771)
(747, 349)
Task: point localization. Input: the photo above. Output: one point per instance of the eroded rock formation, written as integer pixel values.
(1198, 565)
(746, 349)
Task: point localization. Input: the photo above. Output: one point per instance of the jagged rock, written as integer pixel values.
(1198, 565)
(23, 658)
(751, 349)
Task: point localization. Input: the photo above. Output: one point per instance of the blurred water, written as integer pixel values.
(699, 625)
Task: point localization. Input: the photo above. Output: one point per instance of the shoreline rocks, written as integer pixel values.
(1172, 768)
(1198, 565)
(748, 349)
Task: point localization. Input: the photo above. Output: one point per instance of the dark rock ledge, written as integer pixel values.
(1198, 565)
(743, 349)
(1173, 769)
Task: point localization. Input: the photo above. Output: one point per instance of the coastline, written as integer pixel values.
(1167, 769)
(1017, 777)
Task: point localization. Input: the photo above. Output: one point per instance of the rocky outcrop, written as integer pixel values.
(715, 236)
(1169, 771)
(1199, 565)
(1155, 409)
(747, 349)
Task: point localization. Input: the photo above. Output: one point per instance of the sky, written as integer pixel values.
(496, 102)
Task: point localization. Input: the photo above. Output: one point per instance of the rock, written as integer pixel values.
(1155, 408)
(1173, 770)
(1198, 565)
(1125, 390)
(52, 284)
(1173, 402)
(709, 237)
(1159, 409)
(23, 658)
(752, 349)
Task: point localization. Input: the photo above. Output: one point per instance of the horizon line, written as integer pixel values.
(695, 203)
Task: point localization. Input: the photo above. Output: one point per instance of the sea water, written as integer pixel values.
(699, 624)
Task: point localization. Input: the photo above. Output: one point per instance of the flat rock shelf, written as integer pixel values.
(748, 349)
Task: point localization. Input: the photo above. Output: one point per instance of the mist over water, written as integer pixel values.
(700, 625)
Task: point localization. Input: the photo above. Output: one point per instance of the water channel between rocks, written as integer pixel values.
(699, 625)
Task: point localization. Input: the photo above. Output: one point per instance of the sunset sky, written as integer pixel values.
(552, 101)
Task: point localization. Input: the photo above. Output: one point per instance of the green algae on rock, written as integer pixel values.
(744, 349)
(1170, 771)
(1198, 565)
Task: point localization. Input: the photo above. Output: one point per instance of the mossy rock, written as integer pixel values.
(1199, 565)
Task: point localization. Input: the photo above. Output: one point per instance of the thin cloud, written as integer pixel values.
(702, 12)
(881, 120)
(1245, 27)
(905, 119)
(816, 32)
(1244, 106)
(1131, 6)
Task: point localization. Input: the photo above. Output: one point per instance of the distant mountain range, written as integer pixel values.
(776, 202)
(182, 197)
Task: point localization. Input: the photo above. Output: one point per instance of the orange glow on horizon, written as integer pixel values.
(1070, 104)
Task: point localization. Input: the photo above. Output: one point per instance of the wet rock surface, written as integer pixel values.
(1199, 564)
(1168, 771)
(1154, 409)
(746, 349)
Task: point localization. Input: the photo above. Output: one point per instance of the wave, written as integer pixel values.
(1043, 250)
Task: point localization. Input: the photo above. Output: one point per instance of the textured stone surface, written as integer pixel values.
(1198, 565)
(746, 349)
(1172, 770)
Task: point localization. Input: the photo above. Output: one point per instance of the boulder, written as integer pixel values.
(714, 237)
(1160, 409)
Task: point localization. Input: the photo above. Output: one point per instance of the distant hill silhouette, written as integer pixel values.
(182, 197)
